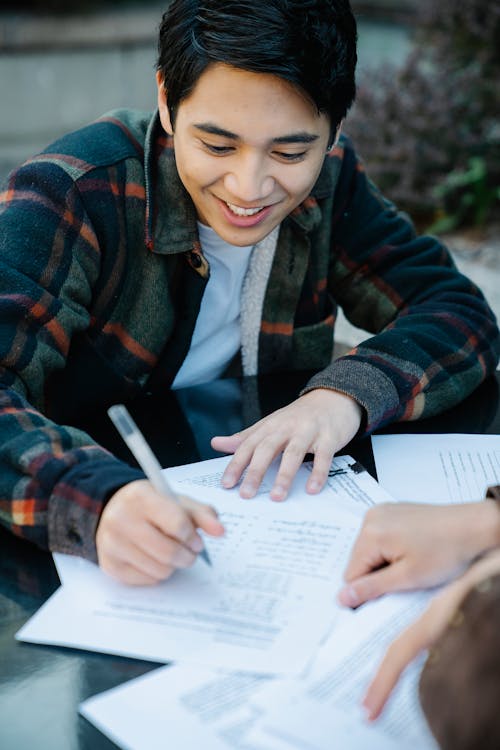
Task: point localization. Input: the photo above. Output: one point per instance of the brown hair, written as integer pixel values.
(460, 682)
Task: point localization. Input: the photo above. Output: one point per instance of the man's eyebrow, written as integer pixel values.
(207, 127)
(303, 137)
(300, 137)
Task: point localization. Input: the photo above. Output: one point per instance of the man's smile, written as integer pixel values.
(240, 211)
(244, 216)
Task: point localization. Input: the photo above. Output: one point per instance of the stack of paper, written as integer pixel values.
(319, 711)
(264, 657)
(274, 577)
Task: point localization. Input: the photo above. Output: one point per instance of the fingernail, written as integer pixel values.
(314, 486)
(367, 712)
(196, 544)
(349, 597)
(227, 481)
(248, 490)
(278, 492)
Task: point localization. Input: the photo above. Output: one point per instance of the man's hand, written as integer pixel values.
(425, 631)
(143, 535)
(403, 546)
(320, 422)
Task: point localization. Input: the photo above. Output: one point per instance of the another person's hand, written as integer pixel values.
(424, 633)
(319, 422)
(404, 546)
(143, 535)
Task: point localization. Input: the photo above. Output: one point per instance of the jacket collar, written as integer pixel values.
(308, 214)
(170, 213)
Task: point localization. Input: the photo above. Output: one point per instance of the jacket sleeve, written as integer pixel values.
(435, 337)
(54, 480)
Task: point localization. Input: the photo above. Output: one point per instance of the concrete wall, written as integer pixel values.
(57, 74)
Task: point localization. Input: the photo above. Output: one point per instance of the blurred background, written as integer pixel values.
(426, 119)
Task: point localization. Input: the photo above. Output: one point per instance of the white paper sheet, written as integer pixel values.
(274, 577)
(324, 711)
(250, 712)
(351, 487)
(193, 708)
(450, 468)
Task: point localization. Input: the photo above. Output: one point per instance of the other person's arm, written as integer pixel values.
(404, 546)
(426, 631)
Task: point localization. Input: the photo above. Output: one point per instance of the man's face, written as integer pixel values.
(248, 148)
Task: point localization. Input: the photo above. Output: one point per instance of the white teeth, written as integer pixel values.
(239, 211)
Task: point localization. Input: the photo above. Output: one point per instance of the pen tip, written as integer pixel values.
(204, 555)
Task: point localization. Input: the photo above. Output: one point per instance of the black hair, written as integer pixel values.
(310, 43)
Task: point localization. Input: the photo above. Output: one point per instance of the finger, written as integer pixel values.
(130, 576)
(204, 517)
(163, 551)
(135, 570)
(422, 634)
(399, 654)
(263, 455)
(365, 558)
(231, 443)
(486, 566)
(235, 468)
(292, 459)
(321, 467)
(391, 578)
(149, 552)
(180, 521)
(227, 443)
(175, 522)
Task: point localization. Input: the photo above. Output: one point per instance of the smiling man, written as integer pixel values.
(217, 235)
(249, 148)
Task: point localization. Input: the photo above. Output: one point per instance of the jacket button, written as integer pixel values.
(195, 260)
(74, 536)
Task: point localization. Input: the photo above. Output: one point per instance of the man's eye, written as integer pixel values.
(290, 157)
(217, 149)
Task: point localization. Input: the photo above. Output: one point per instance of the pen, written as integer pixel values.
(143, 454)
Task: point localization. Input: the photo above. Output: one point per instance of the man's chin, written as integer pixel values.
(244, 237)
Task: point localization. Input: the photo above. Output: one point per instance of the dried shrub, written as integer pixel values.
(429, 131)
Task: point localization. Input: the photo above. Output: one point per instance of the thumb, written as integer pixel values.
(363, 589)
(227, 443)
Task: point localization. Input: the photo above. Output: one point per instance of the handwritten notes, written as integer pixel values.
(274, 577)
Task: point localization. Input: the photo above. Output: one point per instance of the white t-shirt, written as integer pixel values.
(216, 337)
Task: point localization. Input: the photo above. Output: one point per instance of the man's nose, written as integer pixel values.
(249, 180)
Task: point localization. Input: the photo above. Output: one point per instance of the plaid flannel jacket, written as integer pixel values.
(101, 279)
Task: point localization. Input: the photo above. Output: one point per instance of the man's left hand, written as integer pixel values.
(320, 422)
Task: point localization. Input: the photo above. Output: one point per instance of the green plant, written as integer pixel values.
(429, 130)
(467, 197)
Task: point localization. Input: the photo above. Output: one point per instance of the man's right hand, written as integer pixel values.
(143, 535)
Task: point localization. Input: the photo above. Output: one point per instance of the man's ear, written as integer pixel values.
(162, 104)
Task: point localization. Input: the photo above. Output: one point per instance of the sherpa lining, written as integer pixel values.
(252, 299)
